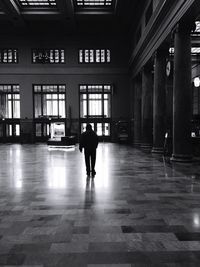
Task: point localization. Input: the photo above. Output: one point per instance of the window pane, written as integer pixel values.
(99, 129)
(107, 129)
(62, 109)
(9, 130)
(17, 129)
(9, 110)
(95, 105)
(38, 130)
(16, 109)
(80, 56)
(91, 55)
(38, 111)
(102, 55)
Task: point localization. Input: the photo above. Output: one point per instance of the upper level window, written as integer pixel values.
(94, 3)
(94, 56)
(52, 56)
(37, 3)
(9, 101)
(197, 28)
(8, 55)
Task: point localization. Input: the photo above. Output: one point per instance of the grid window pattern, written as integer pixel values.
(94, 56)
(37, 3)
(94, 3)
(9, 101)
(49, 100)
(95, 101)
(48, 56)
(8, 55)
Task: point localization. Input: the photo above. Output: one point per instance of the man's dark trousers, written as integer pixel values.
(90, 156)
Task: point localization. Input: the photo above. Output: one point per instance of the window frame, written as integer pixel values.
(107, 4)
(13, 52)
(12, 100)
(41, 93)
(37, 6)
(102, 93)
(48, 50)
(94, 55)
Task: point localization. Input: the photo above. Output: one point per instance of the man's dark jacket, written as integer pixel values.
(88, 140)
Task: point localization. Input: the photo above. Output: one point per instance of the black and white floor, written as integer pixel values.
(138, 211)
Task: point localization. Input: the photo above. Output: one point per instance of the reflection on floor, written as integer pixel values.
(138, 211)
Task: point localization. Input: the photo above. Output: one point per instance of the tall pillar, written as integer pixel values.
(159, 101)
(146, 108)
(137, 112)
(182, 95)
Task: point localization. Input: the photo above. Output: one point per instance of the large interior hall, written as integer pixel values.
(130, 69)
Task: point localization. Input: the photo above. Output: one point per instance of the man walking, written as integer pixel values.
(89, 141)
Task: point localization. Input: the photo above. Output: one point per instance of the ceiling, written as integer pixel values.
(67, 16)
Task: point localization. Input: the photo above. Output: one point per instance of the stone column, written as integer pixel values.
(159, 101)
(146, 108)
(137, 112)
(182, 94)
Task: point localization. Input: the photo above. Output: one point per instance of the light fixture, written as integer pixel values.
(196, 81)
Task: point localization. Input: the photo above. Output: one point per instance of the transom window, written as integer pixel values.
(8, 55)
(9, 101)
(37, 3)
(196, 32)
(194, 50)
(95, 101)
(50, 100)
(88, 3)
(94, 56)
(51, 56)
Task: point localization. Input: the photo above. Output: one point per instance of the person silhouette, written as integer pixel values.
(89, 141)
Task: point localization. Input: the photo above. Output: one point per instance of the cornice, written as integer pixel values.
(165, 18)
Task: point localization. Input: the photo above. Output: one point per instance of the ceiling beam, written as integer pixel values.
(13, 13)
(115, 6)
(66, 9)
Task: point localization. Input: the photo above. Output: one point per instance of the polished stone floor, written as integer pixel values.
(139, 211)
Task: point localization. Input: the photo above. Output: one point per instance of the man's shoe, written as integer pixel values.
(93, 173)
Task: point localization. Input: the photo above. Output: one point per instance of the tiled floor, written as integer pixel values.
(139, 211)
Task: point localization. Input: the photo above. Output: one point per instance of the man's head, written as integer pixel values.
(88, 127)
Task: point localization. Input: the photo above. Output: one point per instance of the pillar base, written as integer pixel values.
(136, 144)
(146, 146)
(157, 150)
(182, 158)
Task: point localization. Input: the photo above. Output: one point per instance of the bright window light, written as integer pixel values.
(94, 3)
(94, 56)
(196, 81)
(197, 27)
(38, 3)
